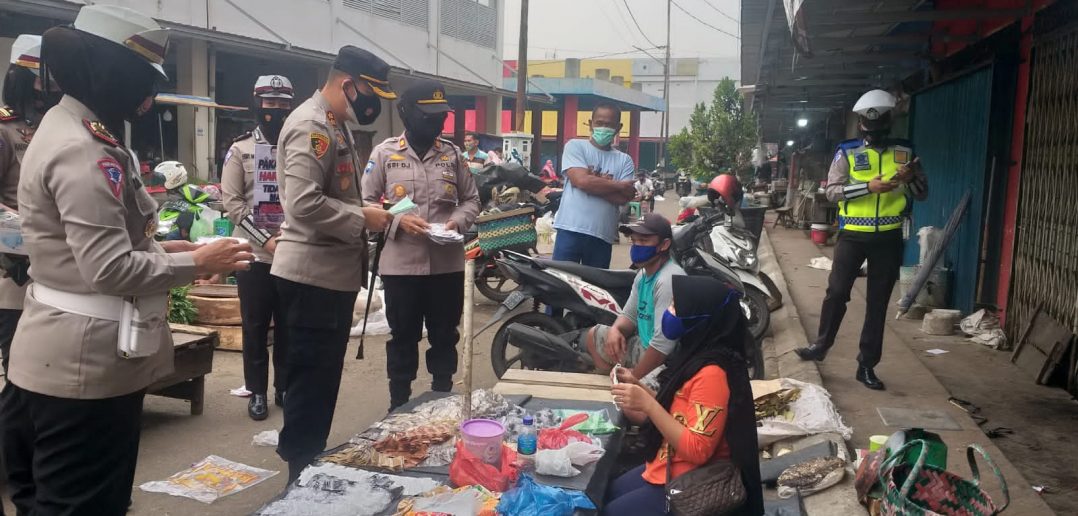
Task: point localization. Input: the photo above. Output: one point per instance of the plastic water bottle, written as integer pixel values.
(527, 443)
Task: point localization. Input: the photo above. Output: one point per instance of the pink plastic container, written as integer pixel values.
(483, 437)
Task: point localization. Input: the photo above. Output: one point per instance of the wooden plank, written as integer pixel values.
(195, 330)
(230, 337)
(215, 290)
(217, 311)
(553, 392)
(1025, 335)
(582, 380)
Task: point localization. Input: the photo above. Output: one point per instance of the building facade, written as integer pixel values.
(218, 48)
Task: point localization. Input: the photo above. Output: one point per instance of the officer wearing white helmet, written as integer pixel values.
(94, 334)
(26, 99)
(875, 180)
(249, 191)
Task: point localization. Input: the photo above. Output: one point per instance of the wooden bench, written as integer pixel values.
(193, 348)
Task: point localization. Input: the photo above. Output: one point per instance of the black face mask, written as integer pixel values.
(270, 121)
(366, 107)
(422, 128)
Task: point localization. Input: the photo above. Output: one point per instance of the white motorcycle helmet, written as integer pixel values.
(173, 172)
(874, 114)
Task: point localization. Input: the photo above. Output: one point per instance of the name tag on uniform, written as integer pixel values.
(860, 161)
(398, 164)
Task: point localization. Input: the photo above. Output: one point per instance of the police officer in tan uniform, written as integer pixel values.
(94, 333)
(320, 262)
(249, 192)
(26, 101)
(424, 281)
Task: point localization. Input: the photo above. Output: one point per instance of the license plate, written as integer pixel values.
(514, 300)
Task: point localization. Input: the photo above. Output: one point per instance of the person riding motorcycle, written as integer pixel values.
(178, 214)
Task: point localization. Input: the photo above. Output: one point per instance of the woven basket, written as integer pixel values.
(930, 491)
(508, 229)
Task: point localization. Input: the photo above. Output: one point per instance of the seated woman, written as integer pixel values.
(703, 410)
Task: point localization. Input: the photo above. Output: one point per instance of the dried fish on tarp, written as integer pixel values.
(475, 500)
(486, 404)
(811, 476)
(776, 403)
(358, 455)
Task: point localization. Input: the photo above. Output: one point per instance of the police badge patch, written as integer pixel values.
(861, 162)
(370, 166)
(114, 174)
(319, 144)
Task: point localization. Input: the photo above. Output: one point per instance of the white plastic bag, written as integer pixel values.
(559, 463)
(265, 438)
(812, 413)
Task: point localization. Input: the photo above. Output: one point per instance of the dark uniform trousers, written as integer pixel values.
(883, 251)
(317, 322)
(9, 320)
(260, 304)
(68, 456)
(411, 301)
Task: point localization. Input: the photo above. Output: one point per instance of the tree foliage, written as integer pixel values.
(719, 138)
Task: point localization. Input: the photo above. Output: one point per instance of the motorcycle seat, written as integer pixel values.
(608, 279)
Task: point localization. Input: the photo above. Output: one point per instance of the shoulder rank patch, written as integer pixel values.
(331, 119)
(370, 166)
(396, 157)
(100, 132)
(114, 174)
(902, 155)
(7, 114)
(319, 144)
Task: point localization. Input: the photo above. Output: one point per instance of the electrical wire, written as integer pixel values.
(631, 15)
(693, 16)
(720, 11)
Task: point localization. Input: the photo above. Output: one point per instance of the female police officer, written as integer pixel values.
(94, 333)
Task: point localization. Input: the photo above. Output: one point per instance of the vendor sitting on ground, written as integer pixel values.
(703, 410)
(635, 340)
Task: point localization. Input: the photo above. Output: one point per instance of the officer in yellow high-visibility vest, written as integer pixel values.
(875, 180)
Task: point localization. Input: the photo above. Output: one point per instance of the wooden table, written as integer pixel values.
(193, 360)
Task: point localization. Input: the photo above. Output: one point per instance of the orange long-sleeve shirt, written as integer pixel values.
(701, 406)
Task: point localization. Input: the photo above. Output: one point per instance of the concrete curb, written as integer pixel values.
(787, 334)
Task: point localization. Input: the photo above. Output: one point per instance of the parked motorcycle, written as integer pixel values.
(586, 296)
(683, 186)
(187, 214)
(506, 186)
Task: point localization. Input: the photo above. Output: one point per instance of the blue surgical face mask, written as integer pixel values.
(642, 253)
(603, 136)
(675, 327)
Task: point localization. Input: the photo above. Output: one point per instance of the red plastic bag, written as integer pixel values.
(558, 438)
(468, 470)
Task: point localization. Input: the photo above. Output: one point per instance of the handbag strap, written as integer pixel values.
(972, 458)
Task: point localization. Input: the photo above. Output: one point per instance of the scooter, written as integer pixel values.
(190, 211)
(585, 296)
(489, 279)
(735, 246)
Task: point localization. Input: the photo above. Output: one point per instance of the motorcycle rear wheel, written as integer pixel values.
(504, 356)
(492, 283)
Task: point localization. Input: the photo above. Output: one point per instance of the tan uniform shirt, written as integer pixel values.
(442, 187)
(323, 240)
(87, 222)
(237, 187)
(15, 136)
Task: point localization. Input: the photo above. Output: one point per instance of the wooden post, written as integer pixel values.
(466, 349)
(522, 69)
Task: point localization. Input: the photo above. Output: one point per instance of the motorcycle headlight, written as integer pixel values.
(746, 259)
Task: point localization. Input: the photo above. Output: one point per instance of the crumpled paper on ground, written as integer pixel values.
(983, 328)
(209, 479)
(811, 413)
(265, 438)
(821, 262)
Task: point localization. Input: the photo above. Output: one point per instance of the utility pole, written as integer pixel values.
(522, 69)
(666, 91)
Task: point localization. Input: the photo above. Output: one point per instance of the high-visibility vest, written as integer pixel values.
(876, 211)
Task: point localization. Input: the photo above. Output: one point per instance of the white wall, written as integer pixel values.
(685, 91)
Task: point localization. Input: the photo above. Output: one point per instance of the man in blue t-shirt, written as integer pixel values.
(599, 179)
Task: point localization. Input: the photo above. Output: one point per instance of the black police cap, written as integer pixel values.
(363, 65)
(428, 96)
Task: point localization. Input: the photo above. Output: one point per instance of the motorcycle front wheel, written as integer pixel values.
(757, 312)
(504, 356)
(490, 281)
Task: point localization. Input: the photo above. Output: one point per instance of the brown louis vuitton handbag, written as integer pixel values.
(714, 489)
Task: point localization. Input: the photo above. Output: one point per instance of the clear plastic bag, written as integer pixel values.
(532, 499)
(559, 463)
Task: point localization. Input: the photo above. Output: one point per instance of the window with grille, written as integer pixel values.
(475, 21)
(411, 12)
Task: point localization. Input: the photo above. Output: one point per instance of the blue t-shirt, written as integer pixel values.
(582, 212)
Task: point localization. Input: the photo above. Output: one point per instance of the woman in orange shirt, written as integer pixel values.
(703, 410)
